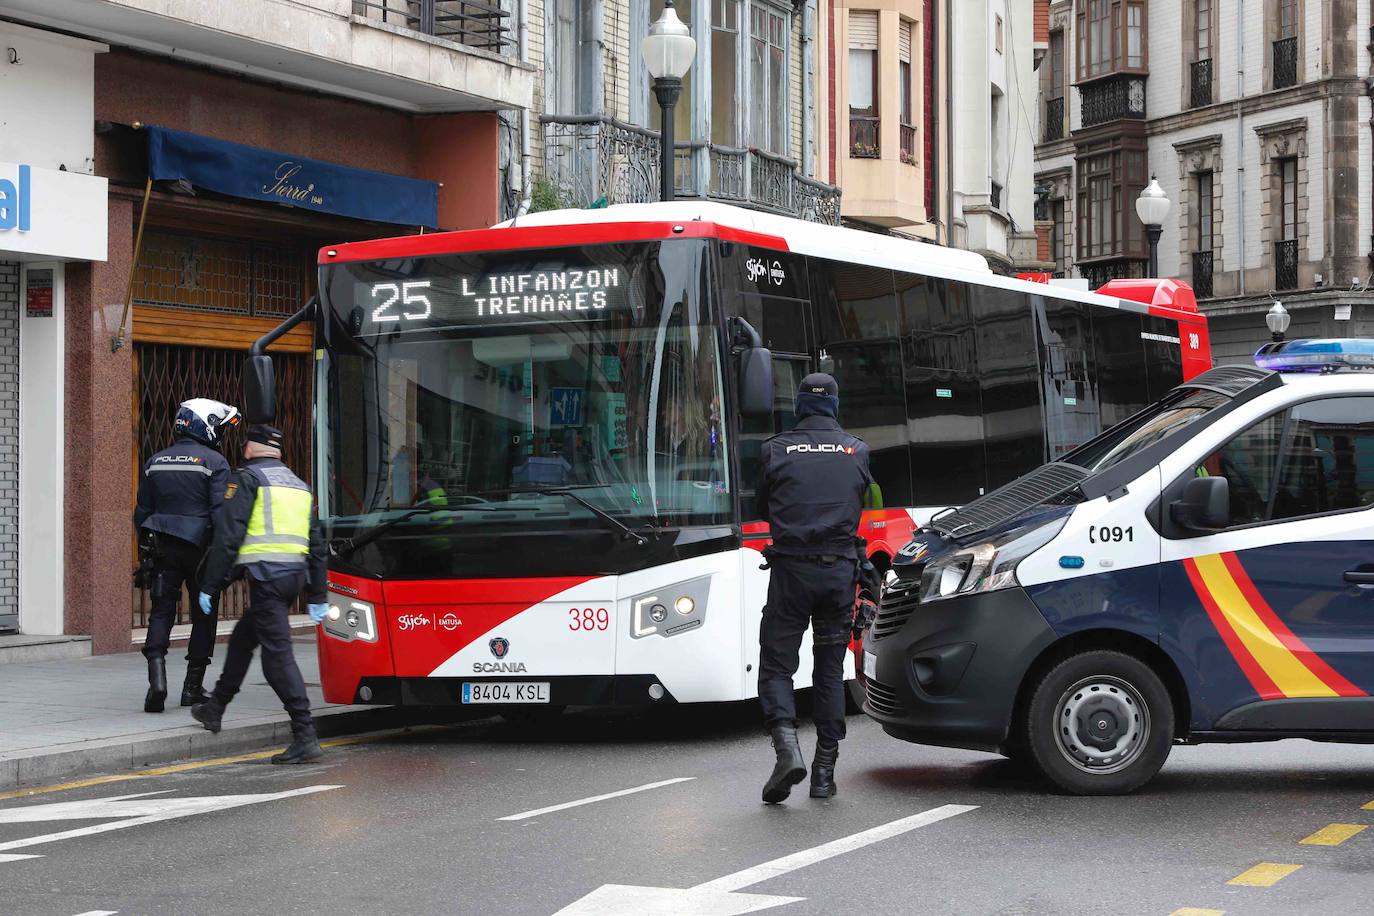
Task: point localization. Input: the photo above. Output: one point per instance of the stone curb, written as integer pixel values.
(41, 766)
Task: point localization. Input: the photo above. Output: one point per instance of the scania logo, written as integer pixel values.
(347, 590)
(499, 647)
(408, 622)
(450, 622)
(498, 667)
(821, 448)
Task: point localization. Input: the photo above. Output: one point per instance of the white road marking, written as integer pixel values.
(720, 897)
(595, 798)
(131, 813)
(99, 913)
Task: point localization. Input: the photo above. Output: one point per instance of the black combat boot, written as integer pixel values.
(157, 685)
(823, 770)
(304, 748)
(193, 691)
(790, 768)
(208, 714)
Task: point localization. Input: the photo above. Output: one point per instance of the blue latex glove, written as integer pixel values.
(318, 612)
(205, 604)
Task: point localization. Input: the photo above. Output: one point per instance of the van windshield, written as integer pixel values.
(1151, 426)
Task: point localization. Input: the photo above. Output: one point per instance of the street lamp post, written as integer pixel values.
(1278, 319)
(1152, 206)
(668, 50)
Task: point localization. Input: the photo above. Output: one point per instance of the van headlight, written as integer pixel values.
(985, 567)
(349, 619)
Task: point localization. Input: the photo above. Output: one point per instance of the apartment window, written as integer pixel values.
(1286, 248)
(908, 121)
(769, 34)
(863, 85)
(1203, 254)
(1054, 90)
(1201, 71)
(1111, 37)
(1285, 52)
(1059, 249)
(1204, 30)
(725, 48)
(997, 33)
(1108, 184)
(570, 56)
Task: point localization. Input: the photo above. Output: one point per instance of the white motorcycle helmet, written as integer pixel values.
(202, 419)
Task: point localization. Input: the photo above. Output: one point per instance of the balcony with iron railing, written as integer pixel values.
(863, 137)
(995, 196)
(1116, 98)
(1054, 121)
(471, 23)
(908, 143)
(1200, 94)
(1285, 63)
(1202, 274)
(593, 158)
(1286, 264)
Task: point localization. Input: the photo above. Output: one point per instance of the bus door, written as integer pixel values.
(1068, 375)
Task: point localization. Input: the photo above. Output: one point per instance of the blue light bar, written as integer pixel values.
(1316, 355)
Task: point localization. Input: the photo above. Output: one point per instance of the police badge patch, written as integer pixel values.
(230, 490)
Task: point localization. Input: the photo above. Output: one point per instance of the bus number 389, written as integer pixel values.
(586, 619)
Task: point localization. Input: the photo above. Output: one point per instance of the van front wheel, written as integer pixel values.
(1099, 723)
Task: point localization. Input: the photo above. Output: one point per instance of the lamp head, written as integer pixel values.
(669, 47)
(1278, 319)
(1152, 206)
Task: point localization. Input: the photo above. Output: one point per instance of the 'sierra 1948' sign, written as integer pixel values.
(571, 293)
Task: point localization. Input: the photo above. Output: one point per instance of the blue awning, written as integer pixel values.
(261, 174)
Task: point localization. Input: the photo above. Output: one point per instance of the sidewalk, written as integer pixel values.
(85, 715)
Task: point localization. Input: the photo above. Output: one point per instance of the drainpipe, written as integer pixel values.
(948, 94)
(526, 146)
(1240, 139)
(808, 142)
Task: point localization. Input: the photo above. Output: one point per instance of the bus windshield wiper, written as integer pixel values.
(570, 493)
(346, 546)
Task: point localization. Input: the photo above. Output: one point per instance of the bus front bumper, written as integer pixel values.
(950, 675)
(568, 690)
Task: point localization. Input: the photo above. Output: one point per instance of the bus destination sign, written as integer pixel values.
(518, 297)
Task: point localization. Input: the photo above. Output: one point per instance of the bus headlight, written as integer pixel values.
(350, 619)
(986, 567)
(648, 611)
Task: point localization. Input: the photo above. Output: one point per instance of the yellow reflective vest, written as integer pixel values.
(279, 527)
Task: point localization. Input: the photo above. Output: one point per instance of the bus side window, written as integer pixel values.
(787, 376)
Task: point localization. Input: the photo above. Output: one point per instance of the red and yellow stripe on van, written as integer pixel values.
(1277, 663)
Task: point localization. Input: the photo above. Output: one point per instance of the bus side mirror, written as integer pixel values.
(259, 389)
(1205, 506)
(756, 382)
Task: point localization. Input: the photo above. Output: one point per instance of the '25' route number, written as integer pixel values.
(585, 619)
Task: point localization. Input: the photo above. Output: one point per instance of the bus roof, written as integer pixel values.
(708, 219)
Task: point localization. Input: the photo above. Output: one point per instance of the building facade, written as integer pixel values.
(1254, 116)
(746, 124)
(886, 139)
(322, 108)
(994, 92)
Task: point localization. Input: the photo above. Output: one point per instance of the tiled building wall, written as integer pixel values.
(9, 439)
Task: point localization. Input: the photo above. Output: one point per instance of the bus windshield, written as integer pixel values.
(544, 390)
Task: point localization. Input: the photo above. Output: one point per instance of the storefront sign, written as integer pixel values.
(46, 213)
(38, 293)
(261, 174)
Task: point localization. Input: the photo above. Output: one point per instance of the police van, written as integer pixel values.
(1201, 572)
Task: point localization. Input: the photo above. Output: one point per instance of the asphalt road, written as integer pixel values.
(414, 824)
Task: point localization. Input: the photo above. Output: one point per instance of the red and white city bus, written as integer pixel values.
(536, 444)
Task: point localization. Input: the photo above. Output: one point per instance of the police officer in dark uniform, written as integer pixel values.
(813, 480)
(268, 533)
(178, 494)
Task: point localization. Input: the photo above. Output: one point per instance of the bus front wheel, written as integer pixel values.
(1099, 723)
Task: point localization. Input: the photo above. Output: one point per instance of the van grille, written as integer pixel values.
(883, 699)
(899, 602)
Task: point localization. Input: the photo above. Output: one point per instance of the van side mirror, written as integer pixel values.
(259, 389)
(756, 382)
(1205, 506)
